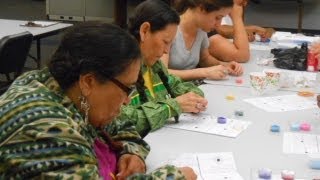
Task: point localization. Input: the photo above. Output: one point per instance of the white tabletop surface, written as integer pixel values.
(9, 27)
(252, 66)
(254, 148)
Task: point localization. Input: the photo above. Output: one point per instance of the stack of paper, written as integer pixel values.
(206, 123)
(283, 103)
(300, 143)
(209, 166)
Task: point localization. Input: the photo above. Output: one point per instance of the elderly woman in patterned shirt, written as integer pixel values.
(57, 122)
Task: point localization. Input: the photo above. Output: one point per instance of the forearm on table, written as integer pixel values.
(189, 74)
(209, 60)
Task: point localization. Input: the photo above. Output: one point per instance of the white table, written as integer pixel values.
(252, 66)
(9, 27)
(254, 148)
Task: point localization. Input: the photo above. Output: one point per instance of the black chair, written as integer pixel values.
(14, 50)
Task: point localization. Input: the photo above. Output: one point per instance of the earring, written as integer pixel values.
(84, 105)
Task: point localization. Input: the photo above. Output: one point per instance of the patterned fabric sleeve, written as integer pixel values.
(167, 172)
(133, 144)
(47, 148)
(154, 114)
(150, 116)
(40, 133)
(43, 136)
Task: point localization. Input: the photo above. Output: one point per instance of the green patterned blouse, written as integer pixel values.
(43, 136)
(152, 115)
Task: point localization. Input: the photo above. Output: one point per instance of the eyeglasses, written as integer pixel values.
(128, 90)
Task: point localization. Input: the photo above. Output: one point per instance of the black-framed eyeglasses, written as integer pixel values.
(126, 89)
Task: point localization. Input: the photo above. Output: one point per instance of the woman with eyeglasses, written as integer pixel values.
(57, 123)
(159, 96)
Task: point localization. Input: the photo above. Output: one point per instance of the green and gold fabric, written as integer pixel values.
(160, 106)
(43, 136)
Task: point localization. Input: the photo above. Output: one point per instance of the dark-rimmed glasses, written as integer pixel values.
(126, 89)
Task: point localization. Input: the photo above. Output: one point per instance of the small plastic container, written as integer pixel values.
(294, 127)
(305, 126)
(314, 161)
(238, 113)
(287, 175)
(265, 173)
(275, 128)
(221, 120)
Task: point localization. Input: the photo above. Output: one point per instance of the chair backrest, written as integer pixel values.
(14, 50)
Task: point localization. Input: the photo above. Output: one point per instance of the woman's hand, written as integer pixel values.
(191, 102)
(252, 30)
(251, 36)
(216, 72)
(268, 33)
(234, 68)
(188, 173)
(129, 164)
(237, 11)
(264, 33)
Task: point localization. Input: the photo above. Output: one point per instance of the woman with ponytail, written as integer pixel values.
(159, 96)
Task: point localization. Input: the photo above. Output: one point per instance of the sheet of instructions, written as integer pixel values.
(206, 123)
(283, 103)
(208, 166)
(300, 143)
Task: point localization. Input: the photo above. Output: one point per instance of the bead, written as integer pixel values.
(287, 175)
(265, 173)
(295, 127)
(305, 127)
(239, 80)
(238, 113)
(221, 120)
(275, 128)
(314, 164)
(230, 97)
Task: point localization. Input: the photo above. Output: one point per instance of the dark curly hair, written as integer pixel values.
(93, 47)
